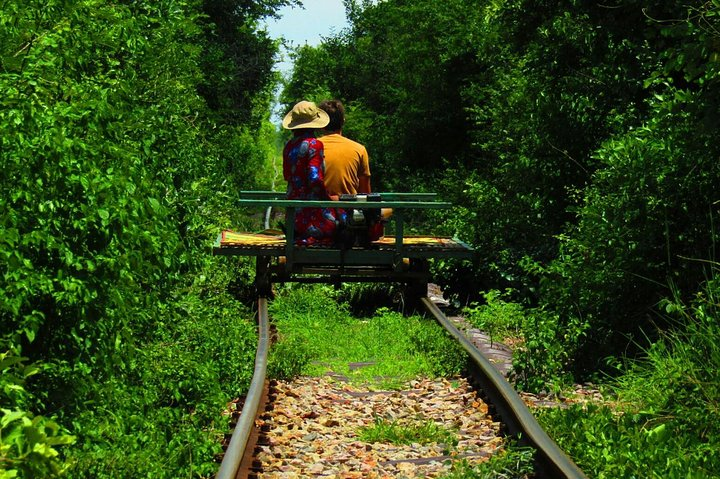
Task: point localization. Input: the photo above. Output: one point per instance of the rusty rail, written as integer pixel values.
(551, 461)
(236, 449)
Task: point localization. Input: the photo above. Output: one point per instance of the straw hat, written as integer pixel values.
(305, 115)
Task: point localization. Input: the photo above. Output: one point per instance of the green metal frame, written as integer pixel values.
(397, 262)
(281, 195)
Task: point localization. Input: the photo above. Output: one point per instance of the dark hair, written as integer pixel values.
(336, 112)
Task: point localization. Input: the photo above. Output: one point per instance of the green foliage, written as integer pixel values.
(563, 79)
(606, 444)
(309, 62)
(513, 462)
(542, 356)
(116, 174)
(445, 356)
(238, 60)
(79, 176)
(644, 220)
(29, 445)
(402, 118)
(499, 318)
(547, 352)
(679, 379)
(415, 432)
(577, 141)
(15, 374)
(288, 358)
(162, 417)
(666, 420)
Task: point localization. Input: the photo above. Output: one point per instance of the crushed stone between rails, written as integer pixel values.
(315, 423)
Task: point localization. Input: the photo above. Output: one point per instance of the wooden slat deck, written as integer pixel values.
(272, 243)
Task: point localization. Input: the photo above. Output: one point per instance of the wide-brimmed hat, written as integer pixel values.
(305, 114)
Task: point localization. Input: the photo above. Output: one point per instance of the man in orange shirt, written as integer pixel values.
(347, 167)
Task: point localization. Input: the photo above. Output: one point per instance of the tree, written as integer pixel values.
(110, 192)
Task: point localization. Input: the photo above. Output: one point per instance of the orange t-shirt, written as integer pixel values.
(345, 162)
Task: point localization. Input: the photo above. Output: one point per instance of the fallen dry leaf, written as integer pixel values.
(315, 421)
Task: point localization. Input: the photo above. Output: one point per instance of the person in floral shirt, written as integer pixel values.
(304, 171)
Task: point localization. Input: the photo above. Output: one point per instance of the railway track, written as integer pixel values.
(486, 408)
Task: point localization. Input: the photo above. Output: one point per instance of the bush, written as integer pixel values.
(29, 444)
(646, 216)
(607, 444)
(667, 416)
(162, 417)
(115, 175)
(547, 351)
(499, 318)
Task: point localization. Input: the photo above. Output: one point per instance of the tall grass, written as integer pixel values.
(667, 424)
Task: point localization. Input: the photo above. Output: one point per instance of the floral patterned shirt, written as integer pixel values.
(304, 171)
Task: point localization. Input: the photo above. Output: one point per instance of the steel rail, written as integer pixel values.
(550, 459)
(239, 439)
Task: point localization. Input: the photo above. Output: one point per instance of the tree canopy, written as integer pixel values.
(127, 130)
(576, 138)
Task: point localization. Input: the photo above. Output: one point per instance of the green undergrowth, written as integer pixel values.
(513, 462)
(607, 443)
(497, 316)
(541, 356)
(665, 422)
(160, 415)
(318, 334)
(156, 412)
(662, 419)
(418, 432)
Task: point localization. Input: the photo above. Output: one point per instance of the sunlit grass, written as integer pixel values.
(395, 348)
(514, 462)
(665, 423)
(418, 432)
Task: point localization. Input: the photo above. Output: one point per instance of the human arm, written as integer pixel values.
(316, 171)
(364, 184)
(364, 172)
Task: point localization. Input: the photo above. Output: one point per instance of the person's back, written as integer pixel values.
(347, 166)
(347, 170)
(346, 163)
